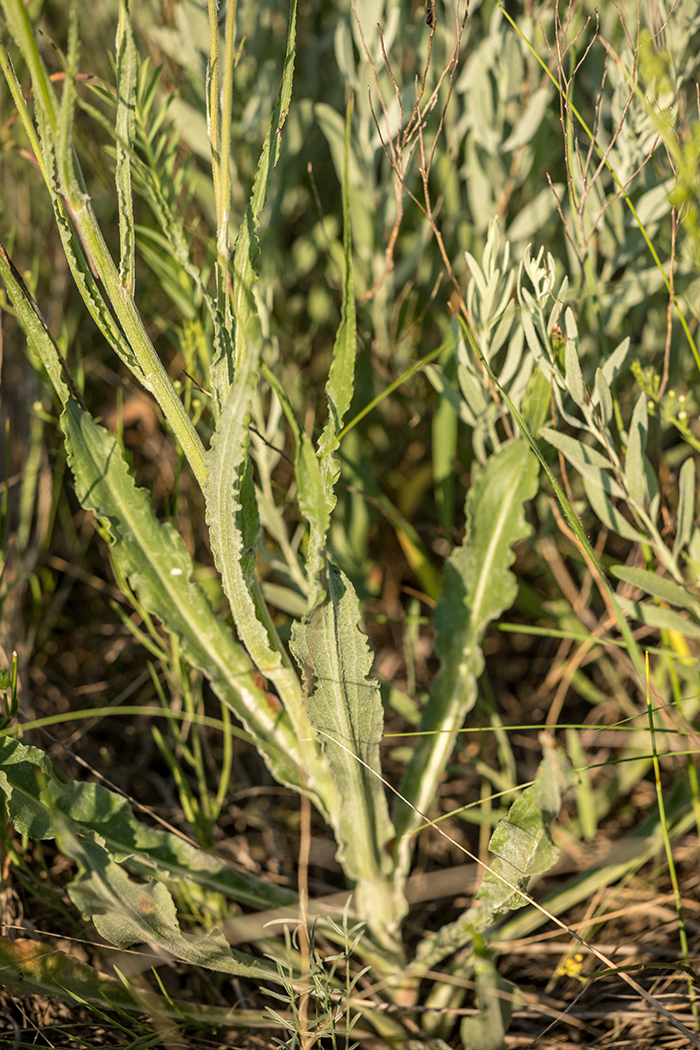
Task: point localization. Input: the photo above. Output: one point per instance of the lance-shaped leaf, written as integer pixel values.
(126, 912)
(340, 385)
(159, 569)
(523, 846)
(478, 587)
(247, 249)
(659, 586)
(345, 708)
(125, 130)
(635, 474)
(232, 516)
(105, 817)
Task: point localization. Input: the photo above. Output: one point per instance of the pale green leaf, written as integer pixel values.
(608, 513)
(660, 617)
(478, 587)
(604, 397)
(159, 569)
(127, 912)
(592, 465)
(635, 473)
(496, 998)
(105, 817)
(574, 378)
(125, 130)
(344, 707)
(614, 363)
(525, 847)
(658, 586)
(530, 120)
(686, 505)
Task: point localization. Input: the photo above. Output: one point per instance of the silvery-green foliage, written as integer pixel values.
(498, 330)
(612, 461)
(500, 135)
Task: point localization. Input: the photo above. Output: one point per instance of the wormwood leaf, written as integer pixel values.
(104, 817)
(635, 474)
(591, 464)
(604, 397)
(659, 586)
(478, 587)
(159, 569)
(686, 505)
(574, 378)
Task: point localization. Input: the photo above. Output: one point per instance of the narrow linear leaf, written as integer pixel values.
(604, 397)
(658, 586)
(574, 378)
(246, 248)
(125, 130)
(635, 473)
(660, 617)
(686, 506)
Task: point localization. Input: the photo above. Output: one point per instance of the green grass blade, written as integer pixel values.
(478, 587)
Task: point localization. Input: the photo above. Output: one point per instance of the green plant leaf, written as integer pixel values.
(608, 513)
(686, 506)
(574, 378)
(105, 817)
(159, 569)
(344, 707)
(524, 841)
(127, 912)
(604, 397)
(525, 847)
(591, 464)
(496, 998)
(246, 248)
(659, 586)
(635, 471)
(478, 587)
